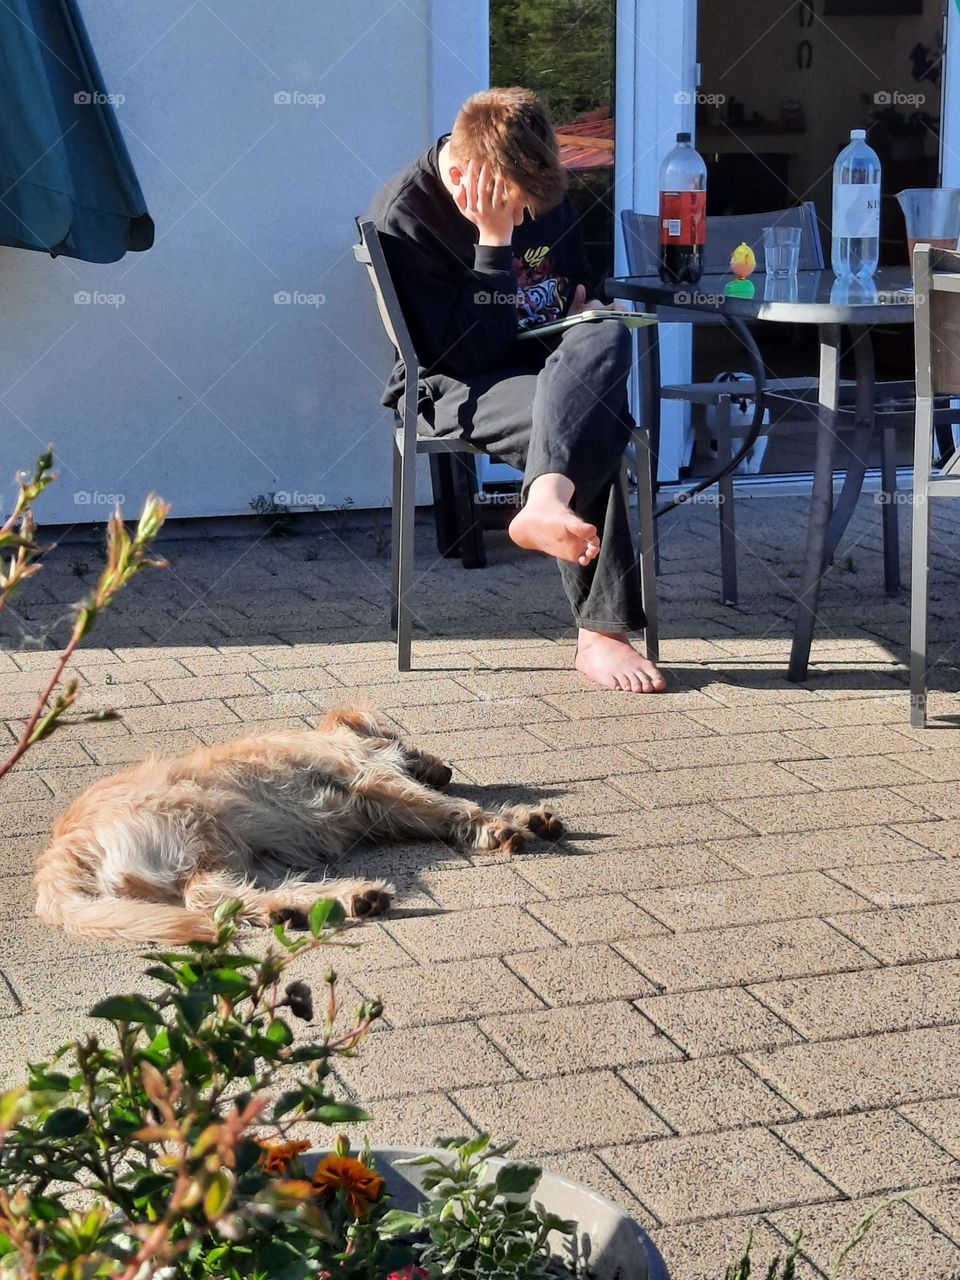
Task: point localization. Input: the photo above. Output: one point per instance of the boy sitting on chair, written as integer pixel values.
(482, 244)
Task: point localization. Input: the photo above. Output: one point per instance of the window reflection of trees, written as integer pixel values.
(565, 50)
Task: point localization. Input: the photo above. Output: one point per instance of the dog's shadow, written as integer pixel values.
(411, 864)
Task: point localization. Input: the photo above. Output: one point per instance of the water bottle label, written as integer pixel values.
(856, 210)
(683, 217)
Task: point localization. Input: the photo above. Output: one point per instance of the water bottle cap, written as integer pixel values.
(858, 133)
(684, 137)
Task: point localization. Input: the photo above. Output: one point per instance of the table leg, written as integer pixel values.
(820, 502)
(891, 514)
(865, 420)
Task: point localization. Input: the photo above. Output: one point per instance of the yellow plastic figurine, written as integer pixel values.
(743, 263)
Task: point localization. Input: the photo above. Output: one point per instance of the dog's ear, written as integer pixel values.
(359, 720)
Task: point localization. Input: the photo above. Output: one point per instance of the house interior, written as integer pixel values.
(767, 130)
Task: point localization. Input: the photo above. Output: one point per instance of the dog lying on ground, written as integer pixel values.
(149, 854)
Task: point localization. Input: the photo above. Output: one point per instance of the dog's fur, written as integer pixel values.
(149, 854)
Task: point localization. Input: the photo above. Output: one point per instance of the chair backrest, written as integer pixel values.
(641, 235)
(936, 275)
(369, 252)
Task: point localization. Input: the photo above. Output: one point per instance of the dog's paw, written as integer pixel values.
(432, 772)
(501, 835)
(369, 901)
(545, 825)
(290, 918)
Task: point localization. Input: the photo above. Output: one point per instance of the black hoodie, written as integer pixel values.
(465, 303)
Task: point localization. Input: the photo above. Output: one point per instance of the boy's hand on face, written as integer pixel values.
(485, 200)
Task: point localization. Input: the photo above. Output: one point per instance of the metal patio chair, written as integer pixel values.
(936, 274)
(408, 444)
(641, 234)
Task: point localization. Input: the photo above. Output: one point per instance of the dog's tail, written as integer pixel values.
(61, 901)
(126, 920)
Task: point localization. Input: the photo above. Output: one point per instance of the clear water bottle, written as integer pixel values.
(856, 208)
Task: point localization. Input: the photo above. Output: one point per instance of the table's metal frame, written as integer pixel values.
(828, 520)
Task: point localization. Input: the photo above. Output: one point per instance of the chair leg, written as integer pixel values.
(891, 514)
(648, 340)
(407, 526)
(395, 535)
(728, 537)
(646, 550)
(919, 566)
(444, 504)
(470, 543)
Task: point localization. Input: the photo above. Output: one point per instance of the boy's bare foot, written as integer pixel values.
(610, 660)
(547, 524)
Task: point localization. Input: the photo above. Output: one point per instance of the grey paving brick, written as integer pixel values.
(748, 953)
(728, 1020)
(578, 1038)
(707, 1175)
(706, 1094)
(563, 1114)
(868, 1071)
(869, 1152)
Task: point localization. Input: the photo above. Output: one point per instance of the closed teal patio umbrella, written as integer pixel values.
(67, 184)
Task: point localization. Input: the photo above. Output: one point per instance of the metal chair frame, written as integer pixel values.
(408, 444)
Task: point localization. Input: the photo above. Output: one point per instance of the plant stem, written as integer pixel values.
(23, 745)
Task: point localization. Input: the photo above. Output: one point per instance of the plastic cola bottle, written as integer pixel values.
(856, 208)
(683, 213)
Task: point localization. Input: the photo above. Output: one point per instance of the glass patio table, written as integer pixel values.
(810, 298)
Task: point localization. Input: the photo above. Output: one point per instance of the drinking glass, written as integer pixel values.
(932, 216)
(781, 249)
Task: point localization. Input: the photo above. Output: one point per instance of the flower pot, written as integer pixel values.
(609, 1244)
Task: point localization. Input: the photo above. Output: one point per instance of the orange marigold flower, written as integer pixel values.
(276, 1157)
(361, 1186)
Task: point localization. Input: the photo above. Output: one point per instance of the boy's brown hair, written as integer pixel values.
(510, 131)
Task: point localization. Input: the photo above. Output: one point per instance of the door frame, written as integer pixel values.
(656, 82)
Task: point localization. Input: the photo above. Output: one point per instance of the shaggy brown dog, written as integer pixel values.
(148, 855)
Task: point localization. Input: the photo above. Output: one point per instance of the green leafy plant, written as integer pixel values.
(479, 1221)
(785, 1267)
(156, 1130)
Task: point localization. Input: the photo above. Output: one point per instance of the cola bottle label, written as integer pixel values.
(683, 217)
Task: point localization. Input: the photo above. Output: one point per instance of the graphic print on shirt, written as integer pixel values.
(541, 295)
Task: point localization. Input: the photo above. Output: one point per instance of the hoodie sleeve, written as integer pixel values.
(463, 320)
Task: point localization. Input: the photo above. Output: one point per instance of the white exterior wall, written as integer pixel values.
(198, 384)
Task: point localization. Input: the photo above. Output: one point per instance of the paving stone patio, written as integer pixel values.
(730, 999)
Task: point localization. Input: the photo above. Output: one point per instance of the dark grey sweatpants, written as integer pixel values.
(560, 406)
